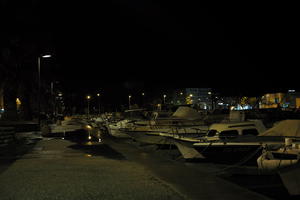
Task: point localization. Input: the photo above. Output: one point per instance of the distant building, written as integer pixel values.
(290, 99)
(272, 100)
(202, 97)
(178, 97)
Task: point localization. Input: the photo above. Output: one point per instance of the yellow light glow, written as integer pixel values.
(88, 97)
(18, 102)
(191, 95)
(98, 94)
(88, 127)
(90, 137)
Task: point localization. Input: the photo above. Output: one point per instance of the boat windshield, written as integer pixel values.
(212, 132)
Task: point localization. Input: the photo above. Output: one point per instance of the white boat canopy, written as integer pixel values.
(184, 112)
(288, 128)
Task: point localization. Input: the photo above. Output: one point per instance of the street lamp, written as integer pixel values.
(88, 108)
(98, 95)
(143, 99)
(129, 97)
(165, 98)
(39, 89)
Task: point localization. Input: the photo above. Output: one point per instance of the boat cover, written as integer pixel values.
(286, 128)
(188, 113)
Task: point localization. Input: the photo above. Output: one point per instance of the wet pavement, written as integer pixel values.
(113, 169)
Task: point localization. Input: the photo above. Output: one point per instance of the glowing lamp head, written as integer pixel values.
(88, 97)
(88, 127)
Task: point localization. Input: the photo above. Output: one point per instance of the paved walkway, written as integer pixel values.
(59, 169)
(55, 171)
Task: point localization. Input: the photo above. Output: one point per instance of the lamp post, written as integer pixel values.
(98, 95)
(39, 89)
(165, 98)
(181, 98)
(129, 97)
(88, 106)
(143, 99)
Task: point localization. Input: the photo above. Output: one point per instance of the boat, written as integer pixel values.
(114, 128)
(157, 134)
(285, 160)
(185, 121)
(230, 143)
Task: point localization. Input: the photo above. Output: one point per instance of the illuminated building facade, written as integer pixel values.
(199, 96)
(291, 99)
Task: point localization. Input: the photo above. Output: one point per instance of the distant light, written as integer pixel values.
(220, 103)
(98, 94)
(165, 95)
(60, 94)
(88, 97)
(191, 95)
(209, 93)
(18, 102)
(46, 56)
(88, 127)
(143, 94)
(181, 93)
(129, 96)
(292, 90)
(90, 137)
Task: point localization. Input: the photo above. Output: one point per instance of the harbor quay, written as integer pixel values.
(54, 168)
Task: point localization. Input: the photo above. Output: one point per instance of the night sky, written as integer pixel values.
(135, 45)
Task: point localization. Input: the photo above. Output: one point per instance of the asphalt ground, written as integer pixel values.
(53, 168)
